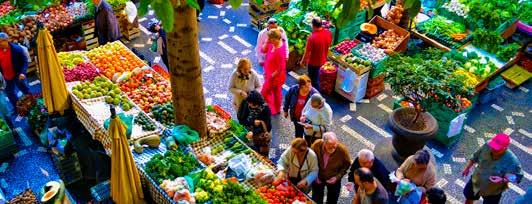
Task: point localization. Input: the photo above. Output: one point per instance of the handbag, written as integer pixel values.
(262, 140)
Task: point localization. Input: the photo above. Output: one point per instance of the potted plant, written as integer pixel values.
(421, 80)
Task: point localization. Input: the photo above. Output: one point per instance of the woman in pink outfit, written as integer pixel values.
(274, 70)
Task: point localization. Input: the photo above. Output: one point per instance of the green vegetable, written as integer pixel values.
(233, 192)
(487, 40)
(505, 52)
(174, 163)
(146, 124)
(490, 14)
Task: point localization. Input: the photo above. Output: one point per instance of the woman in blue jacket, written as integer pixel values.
(295, 101)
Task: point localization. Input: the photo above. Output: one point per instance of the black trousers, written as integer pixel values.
(333, 192)
(300, 130)
(314, 75)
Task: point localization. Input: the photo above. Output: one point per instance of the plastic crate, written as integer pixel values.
(492, 91)
(101, 193)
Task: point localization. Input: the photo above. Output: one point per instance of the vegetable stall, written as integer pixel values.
(174, 163)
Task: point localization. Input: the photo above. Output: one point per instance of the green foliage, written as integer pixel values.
(11, 18)
(490, 14)
(487, 40)
(348, 12)
(234, 192)
(170, 166)
(33, 5)
(164, 10)
(421, 77)
(505, 52)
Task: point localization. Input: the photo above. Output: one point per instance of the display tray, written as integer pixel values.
(383, 25)
(92, 113)
(438, 42)
(339, 61)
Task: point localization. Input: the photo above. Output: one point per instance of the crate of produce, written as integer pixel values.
(293, 61)
(33, 65)
(28, 196)
(129, 30)
(327, 77)
(385, 35)
(443, 33)
(89, 35)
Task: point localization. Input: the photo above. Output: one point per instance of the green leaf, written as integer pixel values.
(370, 9)
(235, 3)
(193, 4)
(305, 4)
(259, 2)
(414, 10)
(164, 10)
(143, 7)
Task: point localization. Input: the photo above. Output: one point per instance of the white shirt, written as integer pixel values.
(262, 39)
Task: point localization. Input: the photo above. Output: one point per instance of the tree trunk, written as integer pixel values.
(185, 70)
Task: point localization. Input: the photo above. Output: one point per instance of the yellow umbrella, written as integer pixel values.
(53, 85)
(125, 179)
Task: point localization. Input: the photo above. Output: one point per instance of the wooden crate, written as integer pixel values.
(89, 35)
(33, 65)
(129, 30)
(374, 87)
(381, 23)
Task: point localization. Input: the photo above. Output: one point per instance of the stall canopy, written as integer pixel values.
(125, 178)
(51, 74)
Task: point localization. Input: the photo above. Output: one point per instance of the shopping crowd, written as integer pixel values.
(316, 159)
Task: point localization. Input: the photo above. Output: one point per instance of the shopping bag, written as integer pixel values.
(185, 135)
(126, 119)
(349, 81)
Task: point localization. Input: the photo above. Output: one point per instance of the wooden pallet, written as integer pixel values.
(89, 34)
(129, 30)
(33, 65)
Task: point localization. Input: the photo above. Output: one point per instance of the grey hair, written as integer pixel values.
(328, 136)
(317, 98)
(367, 154)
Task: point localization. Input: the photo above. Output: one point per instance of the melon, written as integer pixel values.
(369, 28)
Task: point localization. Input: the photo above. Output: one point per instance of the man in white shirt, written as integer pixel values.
(263, 39)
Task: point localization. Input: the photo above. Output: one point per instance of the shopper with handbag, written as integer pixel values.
(299, 165)
(315, 118)
(295, 100)
(255, 115)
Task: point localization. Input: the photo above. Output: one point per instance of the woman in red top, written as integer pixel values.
(274, 70)
(295, 100)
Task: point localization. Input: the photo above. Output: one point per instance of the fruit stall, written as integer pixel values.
(71, 23)
(174, 163)
(296, 21)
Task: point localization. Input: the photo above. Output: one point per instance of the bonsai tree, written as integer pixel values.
(423, 79)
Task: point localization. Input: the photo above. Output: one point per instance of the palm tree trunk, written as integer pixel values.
(185, 69)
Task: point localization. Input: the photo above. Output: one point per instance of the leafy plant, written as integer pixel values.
(505, 52)
(423, 78)
(490, 14)
(487, 40)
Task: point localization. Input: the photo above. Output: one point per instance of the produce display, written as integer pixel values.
(19, 31)
(5, 8)
(146, 88)
(38, 116)
(456, 7)
(3, 127)
(164, 114)
(233, 192)
(55, 18)
(70, 59)
(329, 66)
(113, 58)
(506, 52)
(355, 61)
(371, 53)
(78, 10)
(173, 164)
(145, 122)
(282, 192)
(450, 33)
(345, 46)
(178, 190)
(102, 87)
(81, 72)
(215, 123)
(26, 197)
(395, 14)
(387, 40)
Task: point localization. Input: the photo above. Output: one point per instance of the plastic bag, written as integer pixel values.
(184, 135)
(126, 119)
(349, 81)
